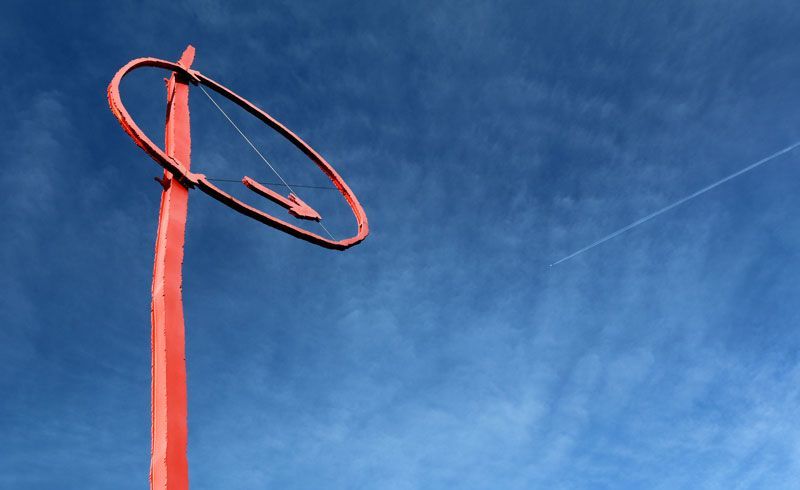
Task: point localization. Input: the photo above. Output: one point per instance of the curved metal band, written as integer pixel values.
(190, 179)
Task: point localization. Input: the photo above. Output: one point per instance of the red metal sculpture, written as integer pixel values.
(169, 468)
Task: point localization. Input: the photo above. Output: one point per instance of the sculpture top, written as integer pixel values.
(181, 173)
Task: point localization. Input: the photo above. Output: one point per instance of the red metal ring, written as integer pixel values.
(190, 179)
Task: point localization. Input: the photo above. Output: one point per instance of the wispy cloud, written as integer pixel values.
(485, 141)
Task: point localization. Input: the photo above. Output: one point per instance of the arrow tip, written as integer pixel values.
(302, 210)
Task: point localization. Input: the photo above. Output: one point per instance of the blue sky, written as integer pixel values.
(485, 140)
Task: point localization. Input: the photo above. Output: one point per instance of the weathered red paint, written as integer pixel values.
(169, 467)
(180, 170)
(294, 204)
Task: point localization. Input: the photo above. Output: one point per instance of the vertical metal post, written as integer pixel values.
(169, 466)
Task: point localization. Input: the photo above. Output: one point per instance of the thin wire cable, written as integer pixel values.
(678, 202)
(222, 111)
(326, 229)
(299, 186)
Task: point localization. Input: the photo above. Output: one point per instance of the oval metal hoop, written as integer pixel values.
(190, 179)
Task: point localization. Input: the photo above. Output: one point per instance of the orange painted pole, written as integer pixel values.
(168, 466)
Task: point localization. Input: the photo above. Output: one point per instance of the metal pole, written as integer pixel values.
(168, 466)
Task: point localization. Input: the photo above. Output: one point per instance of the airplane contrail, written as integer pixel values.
(678, 202)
